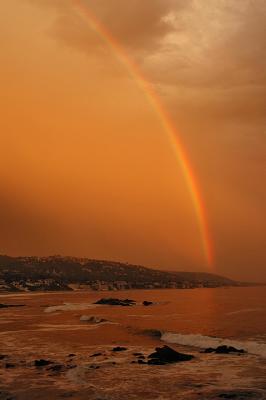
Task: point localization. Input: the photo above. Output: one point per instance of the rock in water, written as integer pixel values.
(147, 303)
(165, 355)
(96, 355)
(116, 302)
(224, 350)
(57, 368)
(239, 395)
(11, 305)
(119, 348)
(42, 363)
(142, 362)
(209, 350)
(156, 361)
(228, 349)
(10, 365)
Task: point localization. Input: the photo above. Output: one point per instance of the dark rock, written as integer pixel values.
(57, 368)
(2, 356)
(147, 303)
(119, 348)
(167, 355)
(72, 355)
(209, 350)
(42, 363)
(96, 355)
(141, 362)
(234, 350)
(141, 357)
(137, 354)
(155, 361)
(10, 365)
(11, 305)
(240, 395)
(224, 350)
(115, 302)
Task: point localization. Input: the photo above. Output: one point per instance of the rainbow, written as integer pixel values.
(196, 197)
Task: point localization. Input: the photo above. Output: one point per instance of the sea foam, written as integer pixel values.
(201, 341)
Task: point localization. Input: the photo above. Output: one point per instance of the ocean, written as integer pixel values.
(49, 326)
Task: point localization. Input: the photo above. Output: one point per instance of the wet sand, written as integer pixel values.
(41, 331)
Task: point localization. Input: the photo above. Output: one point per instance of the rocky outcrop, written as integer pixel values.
(224, 350)
(147, 303)
(165, 355)
(57, 368)
(42, 363)
(119, 348)
(238, 395)
(9, 365)
(115, 302)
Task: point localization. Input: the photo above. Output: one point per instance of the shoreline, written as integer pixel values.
(38, 292)
(29, 334)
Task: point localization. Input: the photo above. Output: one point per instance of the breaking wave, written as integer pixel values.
(201, 341)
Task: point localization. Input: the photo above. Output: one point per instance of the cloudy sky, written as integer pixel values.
(86, 166)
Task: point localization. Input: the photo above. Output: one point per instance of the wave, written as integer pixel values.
(201, 341)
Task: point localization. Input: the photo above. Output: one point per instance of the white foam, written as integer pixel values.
(201, 341)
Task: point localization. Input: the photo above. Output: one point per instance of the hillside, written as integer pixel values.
(56, 272)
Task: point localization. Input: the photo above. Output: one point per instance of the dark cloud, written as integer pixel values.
(205, 56)
(220, 66)
(182, 43)
(137, 24)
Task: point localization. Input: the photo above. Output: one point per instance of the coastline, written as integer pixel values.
(29, 333)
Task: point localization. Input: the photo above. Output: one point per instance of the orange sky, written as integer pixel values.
(86, 167)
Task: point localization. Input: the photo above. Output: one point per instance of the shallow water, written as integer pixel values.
(49, 327)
